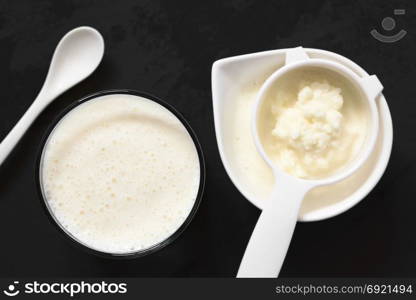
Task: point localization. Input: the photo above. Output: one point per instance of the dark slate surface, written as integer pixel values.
(167, 48)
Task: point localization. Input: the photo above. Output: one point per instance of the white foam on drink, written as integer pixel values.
(120, 173)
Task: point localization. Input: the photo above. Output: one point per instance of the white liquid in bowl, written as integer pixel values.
(313, 122)
(120, 173)
(236, 82)
(254, 172)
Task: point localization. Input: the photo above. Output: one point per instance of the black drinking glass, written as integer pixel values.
(72, 238)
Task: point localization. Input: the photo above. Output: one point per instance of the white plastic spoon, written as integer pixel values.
(271, 237)
(77, 55)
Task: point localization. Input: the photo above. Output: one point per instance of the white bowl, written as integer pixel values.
(230, 76)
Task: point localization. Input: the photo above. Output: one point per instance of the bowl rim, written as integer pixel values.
(356, 82)
(68, 235)
(385, 123)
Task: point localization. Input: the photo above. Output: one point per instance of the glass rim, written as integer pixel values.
(136, 253)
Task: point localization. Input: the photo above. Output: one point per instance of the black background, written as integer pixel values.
(167, 48)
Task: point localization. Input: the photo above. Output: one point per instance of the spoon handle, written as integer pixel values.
(271, 237)
(10, 141)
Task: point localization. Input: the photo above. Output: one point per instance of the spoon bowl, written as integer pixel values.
(77, 55)
(268, 244)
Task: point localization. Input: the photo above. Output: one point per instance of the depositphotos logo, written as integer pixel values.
(11, 289)
(71, 289)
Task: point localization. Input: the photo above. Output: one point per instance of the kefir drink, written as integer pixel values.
(120, 173)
